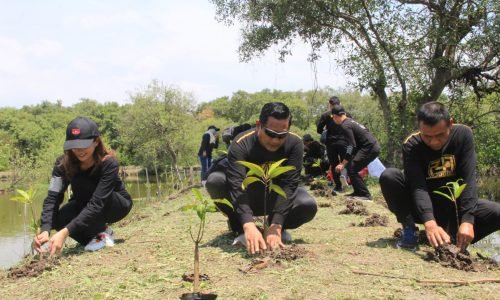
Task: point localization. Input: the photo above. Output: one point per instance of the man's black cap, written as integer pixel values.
(307, 138)
(213, 127)
(80, 133)
(334, 100)
(338, 110)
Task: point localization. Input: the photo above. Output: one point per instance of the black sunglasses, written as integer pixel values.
(274, 134)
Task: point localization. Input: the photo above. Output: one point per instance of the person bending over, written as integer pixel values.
(440, 152)
(269, 142)
(98, 195)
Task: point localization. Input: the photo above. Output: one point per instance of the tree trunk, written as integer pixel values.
(196, 280)
(158, 183)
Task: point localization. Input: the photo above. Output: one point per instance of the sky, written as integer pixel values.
(107, 50)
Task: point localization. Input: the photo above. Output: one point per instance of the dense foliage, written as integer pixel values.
(162, 126)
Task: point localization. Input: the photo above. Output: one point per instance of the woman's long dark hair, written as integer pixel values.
(71, 164)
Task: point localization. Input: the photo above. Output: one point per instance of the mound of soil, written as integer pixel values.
(450, 256)
(32, 269)
(190, 277)
(198, 296)
(354, 208)
(374, 220)
(324, 204)
(271, 258)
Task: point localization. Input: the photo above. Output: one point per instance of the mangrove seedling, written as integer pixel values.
(265, 175)
(454, 190)
(26, 198)
(201, 206)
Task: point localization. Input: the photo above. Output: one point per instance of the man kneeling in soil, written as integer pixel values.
(270, 141)
(439, 153)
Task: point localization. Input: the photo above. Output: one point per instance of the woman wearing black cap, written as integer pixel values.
(98, 194)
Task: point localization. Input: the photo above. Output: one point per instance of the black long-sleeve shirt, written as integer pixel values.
(357, 137)
(426, 170)
(246, 147)
(90, 190)
(207, 146)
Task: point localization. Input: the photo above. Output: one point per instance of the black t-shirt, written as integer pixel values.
(357, 137)
(246, 147)
(315, 150)
(333, 131)
(426, 170)
(91, 189)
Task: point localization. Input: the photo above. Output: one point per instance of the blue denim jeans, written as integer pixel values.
(206, 162)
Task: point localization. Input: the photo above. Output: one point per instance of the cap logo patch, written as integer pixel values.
(75, 131)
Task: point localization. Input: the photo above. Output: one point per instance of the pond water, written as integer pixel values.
(15, 237)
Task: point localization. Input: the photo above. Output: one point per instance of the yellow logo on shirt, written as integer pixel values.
(442, 167)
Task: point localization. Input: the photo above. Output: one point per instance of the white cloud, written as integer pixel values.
(45, 48)
(119, 18)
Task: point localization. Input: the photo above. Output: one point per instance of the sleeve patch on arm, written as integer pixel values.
(56, 184)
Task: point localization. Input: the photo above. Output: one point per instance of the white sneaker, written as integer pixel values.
(286, 237)
(240, 240)
(103, 239)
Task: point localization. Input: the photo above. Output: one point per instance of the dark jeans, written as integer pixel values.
(303, 208)
(115, 209)
(205, 162)
(397, 195)
(333, 151)
(360, 160)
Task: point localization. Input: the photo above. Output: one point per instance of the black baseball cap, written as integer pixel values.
(334, 100)
(338, 110)
(307, 138)
(80, 133)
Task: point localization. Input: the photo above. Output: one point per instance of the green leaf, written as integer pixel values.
(201, 211)
(189, 207)
(443, 194)
(277, 189)
(280, 170)
(198, 194)
(459, 190)
(256, 169)
(24, 194)
(274, 166)
(225, 202)
(248, 181)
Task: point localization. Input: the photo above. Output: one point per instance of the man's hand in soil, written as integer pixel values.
(255, 241)
(465, 235)
(436, 234)
(273, 238)
(39, 240)
(56, 243)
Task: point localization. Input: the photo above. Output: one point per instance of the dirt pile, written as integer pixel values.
(271, 258)
(354, 208)
(450, 256)
(32, 269)
(374, 220)
(190, 277)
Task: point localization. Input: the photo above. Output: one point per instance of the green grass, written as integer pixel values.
(154, 249)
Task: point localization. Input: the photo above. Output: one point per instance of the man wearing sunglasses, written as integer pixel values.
(269, 142)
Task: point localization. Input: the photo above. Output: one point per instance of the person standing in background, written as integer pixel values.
(209, 141)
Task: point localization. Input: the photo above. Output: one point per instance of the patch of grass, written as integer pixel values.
(155, 251)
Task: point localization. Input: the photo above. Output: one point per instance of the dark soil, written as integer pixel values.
(32, 269)
(324, 204)
(199, 296)
(375, 220)
(271, 258)
(354, 208)
(450, 256)
(190, 277)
